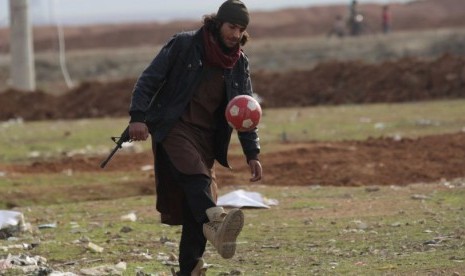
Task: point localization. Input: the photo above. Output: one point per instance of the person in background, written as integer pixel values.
(180, 99)
(353, 13)
(386, 19)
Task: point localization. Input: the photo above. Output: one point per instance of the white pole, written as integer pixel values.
(61, 46)
(22, 71)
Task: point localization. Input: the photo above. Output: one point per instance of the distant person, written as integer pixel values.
(339, 27)
(180, 100)
(386, 19)
(354, 27)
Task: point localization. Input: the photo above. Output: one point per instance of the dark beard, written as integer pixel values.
(224, 48)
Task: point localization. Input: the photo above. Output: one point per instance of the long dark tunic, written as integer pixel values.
(190, 143)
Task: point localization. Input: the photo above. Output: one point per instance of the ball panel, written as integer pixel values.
(251, 105)
(247, 123)
(234, 110)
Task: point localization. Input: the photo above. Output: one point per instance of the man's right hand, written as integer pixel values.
(138, 131)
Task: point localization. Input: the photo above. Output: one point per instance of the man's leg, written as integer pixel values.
(197, 194)
(197, 199)
(207, 221)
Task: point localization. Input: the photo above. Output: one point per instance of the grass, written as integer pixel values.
(352, 232)
(25, 141)
(355, 122)
(29, 140)
(66, 187)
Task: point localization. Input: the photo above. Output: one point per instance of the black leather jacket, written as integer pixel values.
(173, 76)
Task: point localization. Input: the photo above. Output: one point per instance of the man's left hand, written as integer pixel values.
(255, 170)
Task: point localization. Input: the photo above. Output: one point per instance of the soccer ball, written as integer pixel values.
(243, 113)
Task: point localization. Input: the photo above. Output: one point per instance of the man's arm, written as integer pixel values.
(249, 140)
(151, 79)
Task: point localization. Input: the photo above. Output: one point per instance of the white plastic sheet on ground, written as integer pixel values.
(241, 198)
(10, 219)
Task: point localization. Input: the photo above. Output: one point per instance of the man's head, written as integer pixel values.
(235, 12)
(235, 18)
(229, 24)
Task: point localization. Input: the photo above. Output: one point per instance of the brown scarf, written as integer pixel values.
(215, 56)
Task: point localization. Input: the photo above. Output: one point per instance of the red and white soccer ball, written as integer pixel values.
(243, 113)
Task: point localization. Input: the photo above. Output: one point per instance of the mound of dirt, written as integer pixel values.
(329, 83)
(380, 161)
(88, 100)
(403, 80)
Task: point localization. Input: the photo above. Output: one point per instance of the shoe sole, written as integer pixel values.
(228, 233)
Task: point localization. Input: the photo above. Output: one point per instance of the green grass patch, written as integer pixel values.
(26, 141)
(43, 189)
(357, 122)
(44, 139)
(453, 200)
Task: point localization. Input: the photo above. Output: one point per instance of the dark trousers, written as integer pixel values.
(197, 199)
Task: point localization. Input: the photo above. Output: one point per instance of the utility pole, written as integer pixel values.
(22, 71)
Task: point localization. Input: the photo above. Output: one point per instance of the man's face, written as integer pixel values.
(231, 34)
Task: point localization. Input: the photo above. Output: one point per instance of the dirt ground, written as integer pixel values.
(382, 161)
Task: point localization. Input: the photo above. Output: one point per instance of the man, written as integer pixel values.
(180, 100)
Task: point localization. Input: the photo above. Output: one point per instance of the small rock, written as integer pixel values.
(129, 217)
(420, 197)
(94, 247)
